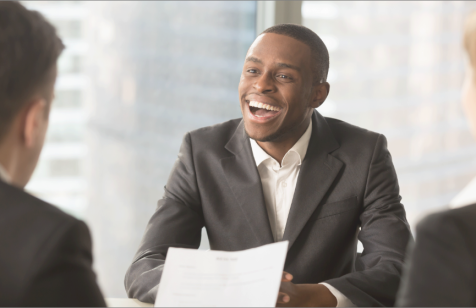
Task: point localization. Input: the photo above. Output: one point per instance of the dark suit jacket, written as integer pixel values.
(442, 263)
(346, 182)
(45, 254)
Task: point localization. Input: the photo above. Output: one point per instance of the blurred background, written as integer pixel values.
(136, 76)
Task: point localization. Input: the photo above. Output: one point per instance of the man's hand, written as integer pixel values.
(303, 295)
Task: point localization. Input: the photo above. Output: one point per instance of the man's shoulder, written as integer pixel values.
(16, 202)
(224, 129)
(351, 137)
(460, 220)
(344, 129)
(32, 232)
(214, 136)
(33, 221)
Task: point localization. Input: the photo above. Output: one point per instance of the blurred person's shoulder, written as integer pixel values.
(28, 224)
(33, 236)
(441, 261)
(17, 204)
(460, 221)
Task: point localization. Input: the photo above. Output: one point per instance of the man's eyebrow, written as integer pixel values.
(253, 59)
(285, 65)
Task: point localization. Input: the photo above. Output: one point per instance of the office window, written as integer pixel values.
(65, 99)
(397, 68)
(60, 177)
(134, 78)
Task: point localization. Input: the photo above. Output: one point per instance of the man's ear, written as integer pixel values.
(319, 94)
(35, 119)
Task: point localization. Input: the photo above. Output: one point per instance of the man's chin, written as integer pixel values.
(264, 137)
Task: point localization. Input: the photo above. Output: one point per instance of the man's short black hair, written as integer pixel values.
(319, 53)
(29, 49)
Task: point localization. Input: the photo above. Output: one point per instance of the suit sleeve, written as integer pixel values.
(384, 234)
(65, 276)
(177, 222)
(441, 266)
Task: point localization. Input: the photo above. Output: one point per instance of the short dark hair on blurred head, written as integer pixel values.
(319, 53)
(29, 49)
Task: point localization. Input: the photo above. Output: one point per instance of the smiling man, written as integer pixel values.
(284, 172)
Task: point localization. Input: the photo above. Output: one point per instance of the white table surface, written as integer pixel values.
(126, 302)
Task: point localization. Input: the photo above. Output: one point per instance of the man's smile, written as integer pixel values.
(262, 112)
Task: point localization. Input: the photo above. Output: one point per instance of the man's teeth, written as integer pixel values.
(263, 106)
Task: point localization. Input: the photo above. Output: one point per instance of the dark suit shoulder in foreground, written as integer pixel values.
(46, 257)
(442, 264)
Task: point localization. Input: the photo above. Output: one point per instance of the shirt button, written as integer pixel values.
(284, 184)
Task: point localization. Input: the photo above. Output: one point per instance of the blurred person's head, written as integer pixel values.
(469, 88)
(29, 49)
(286, 70)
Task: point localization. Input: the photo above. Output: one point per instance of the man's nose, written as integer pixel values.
(265, 83)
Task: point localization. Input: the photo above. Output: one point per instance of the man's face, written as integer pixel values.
(276, 87)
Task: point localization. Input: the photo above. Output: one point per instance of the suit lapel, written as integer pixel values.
(243, 178)
(318, 171)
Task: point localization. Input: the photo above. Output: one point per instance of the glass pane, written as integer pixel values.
(397, 68)
(135, 77)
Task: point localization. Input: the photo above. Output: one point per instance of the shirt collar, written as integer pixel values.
(4, 176)
(300, 147)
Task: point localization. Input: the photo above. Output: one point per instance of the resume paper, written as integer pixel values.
(219, 278)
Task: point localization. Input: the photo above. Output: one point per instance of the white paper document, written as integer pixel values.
(218, 278)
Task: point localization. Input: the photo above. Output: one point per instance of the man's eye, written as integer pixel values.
(252, 71)
(282, 76)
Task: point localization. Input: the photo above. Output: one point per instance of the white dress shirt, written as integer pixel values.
(279, 182)
(4, 175)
